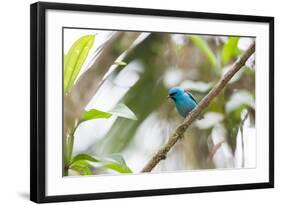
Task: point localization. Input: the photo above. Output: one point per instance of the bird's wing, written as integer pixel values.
(190, 95)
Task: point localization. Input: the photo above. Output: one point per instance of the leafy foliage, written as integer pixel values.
(121, 63)
(73, 62)
(119, 110)
(144, 97)
(204, 47)
(82, 163)
(118, 168)
(81, 169)
(117, 163)
(94, 114)
(75, 58)
(230, 49)
(122, 110)
(84, 157)
(150, 60)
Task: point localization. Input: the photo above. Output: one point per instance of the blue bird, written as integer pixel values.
(183, 99)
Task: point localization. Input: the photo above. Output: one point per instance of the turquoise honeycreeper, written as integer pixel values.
(183, 99)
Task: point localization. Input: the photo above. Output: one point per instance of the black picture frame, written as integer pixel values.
(38, 100)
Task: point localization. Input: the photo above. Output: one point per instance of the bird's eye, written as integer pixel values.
(171, 94)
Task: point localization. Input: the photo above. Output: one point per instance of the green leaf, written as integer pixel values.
(82, 170)
(94, 114)
(230, 49)
(82, 163)
(80, 157)
(75, 58)
(116, 162)
(122, 110)
(121, 63)
(118, 167)
(117, 158)
(200, 43)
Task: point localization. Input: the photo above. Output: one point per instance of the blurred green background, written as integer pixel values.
(155, 62)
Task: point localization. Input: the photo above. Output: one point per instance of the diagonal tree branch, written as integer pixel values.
(179, 132)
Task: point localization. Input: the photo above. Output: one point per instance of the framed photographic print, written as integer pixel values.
(129, 102)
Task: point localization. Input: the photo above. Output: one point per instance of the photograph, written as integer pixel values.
(125, 93)
(133, 102)
(140, 102)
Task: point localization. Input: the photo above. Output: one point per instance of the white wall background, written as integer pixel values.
(14, 101)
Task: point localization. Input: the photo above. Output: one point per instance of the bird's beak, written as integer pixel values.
(168, 96)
